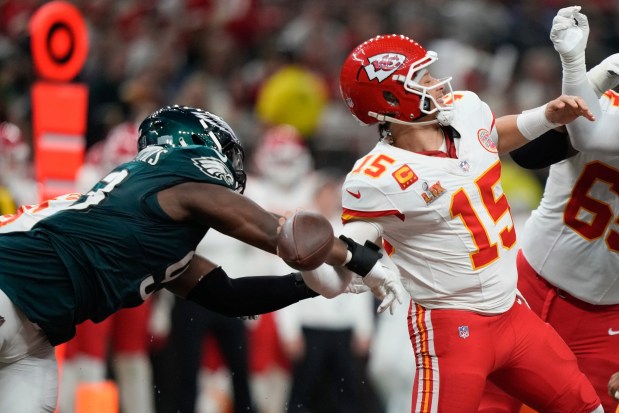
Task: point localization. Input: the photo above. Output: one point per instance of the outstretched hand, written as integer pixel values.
(565, 109)
(385, 284)
(569, 33)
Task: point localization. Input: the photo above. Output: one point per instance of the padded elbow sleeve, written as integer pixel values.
(247, 296)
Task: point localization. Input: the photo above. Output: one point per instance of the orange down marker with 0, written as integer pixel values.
(59, 42)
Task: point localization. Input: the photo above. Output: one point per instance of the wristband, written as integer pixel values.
(533, 123)
(362, 257)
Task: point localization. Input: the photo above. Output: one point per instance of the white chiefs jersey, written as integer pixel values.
(572, 238)
(447, 224)
(28, 215)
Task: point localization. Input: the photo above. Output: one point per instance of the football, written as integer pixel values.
(305, 240)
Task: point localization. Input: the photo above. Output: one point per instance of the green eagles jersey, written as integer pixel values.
(110, 249)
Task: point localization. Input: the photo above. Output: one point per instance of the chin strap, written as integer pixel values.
(443, 118)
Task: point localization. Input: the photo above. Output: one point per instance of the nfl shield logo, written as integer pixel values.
(463, 331)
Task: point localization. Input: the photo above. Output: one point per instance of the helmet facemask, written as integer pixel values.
(235, 154)
(410, 82)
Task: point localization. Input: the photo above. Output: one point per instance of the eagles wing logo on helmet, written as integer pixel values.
(383, 65)
(214, 168)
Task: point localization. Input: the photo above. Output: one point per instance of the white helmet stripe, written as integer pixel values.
(216, 140)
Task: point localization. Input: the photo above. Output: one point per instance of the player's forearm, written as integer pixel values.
(516, 131)
(358, 231)
(346, 256)
(247, 296)
(587, 136)
(510, 136)
(338, 253)
(329, 281)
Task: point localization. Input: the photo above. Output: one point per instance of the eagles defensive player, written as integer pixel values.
(134, 233)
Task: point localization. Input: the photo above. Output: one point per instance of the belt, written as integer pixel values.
(564, 295)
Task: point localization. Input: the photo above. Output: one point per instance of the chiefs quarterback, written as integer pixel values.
(430, 192)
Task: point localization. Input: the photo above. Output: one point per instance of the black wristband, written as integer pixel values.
(364, 257)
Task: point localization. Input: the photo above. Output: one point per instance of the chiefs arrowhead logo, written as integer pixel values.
(383, 65)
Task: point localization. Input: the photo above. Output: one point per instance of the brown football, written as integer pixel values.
(305, 240)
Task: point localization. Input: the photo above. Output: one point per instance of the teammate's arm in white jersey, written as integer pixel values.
(516, 130)
(569, 34)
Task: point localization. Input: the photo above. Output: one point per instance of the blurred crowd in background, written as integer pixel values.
(261, 65)
(219, 55)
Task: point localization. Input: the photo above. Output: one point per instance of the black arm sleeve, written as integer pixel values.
(248, 296)
(551, 147)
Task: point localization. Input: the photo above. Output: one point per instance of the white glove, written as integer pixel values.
(356, 286)
(569, 34)
(605, 75)
(383, 279)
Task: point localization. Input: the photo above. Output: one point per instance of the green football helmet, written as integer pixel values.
(179, 126)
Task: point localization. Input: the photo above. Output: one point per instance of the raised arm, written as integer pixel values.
(569, 34)
(517, 130)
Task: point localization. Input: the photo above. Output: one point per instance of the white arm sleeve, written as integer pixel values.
(326, 281)
(596, 136)
(331, 281)
(362, 231)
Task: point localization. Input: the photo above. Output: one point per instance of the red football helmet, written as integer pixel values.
(120, 144)
(282, 156)
(14, 150)
(380, 78)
